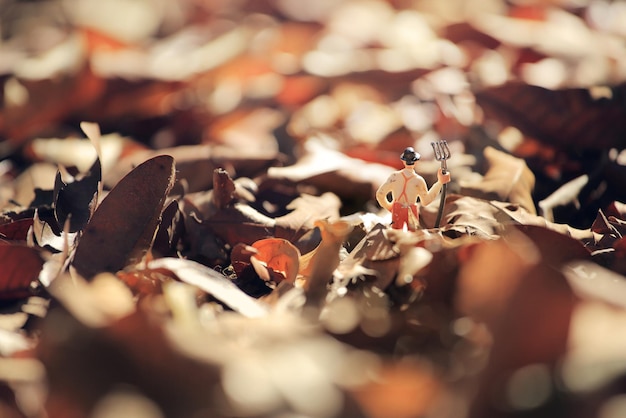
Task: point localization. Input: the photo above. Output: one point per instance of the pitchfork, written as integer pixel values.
(442, 153)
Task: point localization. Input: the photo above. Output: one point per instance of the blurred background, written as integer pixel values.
(325, 95)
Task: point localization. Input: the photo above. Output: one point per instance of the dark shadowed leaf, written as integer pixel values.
(76, 198)
(170, 232)
(569, 118)
(122, 228)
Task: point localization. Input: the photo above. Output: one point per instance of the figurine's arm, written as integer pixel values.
(426, 198)
(382, 192)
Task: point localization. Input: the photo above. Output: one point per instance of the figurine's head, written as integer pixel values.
(409, 156)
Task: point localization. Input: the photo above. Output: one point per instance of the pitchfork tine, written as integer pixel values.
(442, 153)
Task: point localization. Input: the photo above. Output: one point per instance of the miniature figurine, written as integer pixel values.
(405, 186)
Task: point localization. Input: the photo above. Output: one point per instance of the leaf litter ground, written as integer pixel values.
(189, 226)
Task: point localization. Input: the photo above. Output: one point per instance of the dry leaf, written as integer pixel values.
(236, 222)
(564, 195)
(507, 212)
(76, 197)
(508, 179)
(212, 282)
(278, 255)
(20, 269)
(319, 268)
(471, 215)
(562, 118)
(122, 228)
(333, 171)
(16, 230)
(170, 232)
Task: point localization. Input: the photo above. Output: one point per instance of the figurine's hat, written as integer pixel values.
(409, 155)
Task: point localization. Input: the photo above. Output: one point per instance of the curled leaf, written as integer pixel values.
(324, 260)
(508, 179)
(223, 188)
(564, 195)
(276, 254)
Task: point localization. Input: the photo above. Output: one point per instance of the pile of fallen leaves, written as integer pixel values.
(188, 224)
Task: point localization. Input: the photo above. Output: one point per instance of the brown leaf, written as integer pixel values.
(20, 268)
(248, 280)
(508, 212)
(568, 118)
(490, 275)
(145, 281)
(508, 179)
(223, 189)
(170, 231)
(236, 222)
(271, 260)
(122, 228)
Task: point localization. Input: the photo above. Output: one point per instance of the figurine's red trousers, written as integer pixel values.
(402, 214)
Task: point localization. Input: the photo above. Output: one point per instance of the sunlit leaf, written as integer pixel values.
(213, 283)
(508, 179)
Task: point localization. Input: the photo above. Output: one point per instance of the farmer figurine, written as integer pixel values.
(405, 186)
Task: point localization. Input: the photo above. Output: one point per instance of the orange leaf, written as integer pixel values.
(277, 254)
